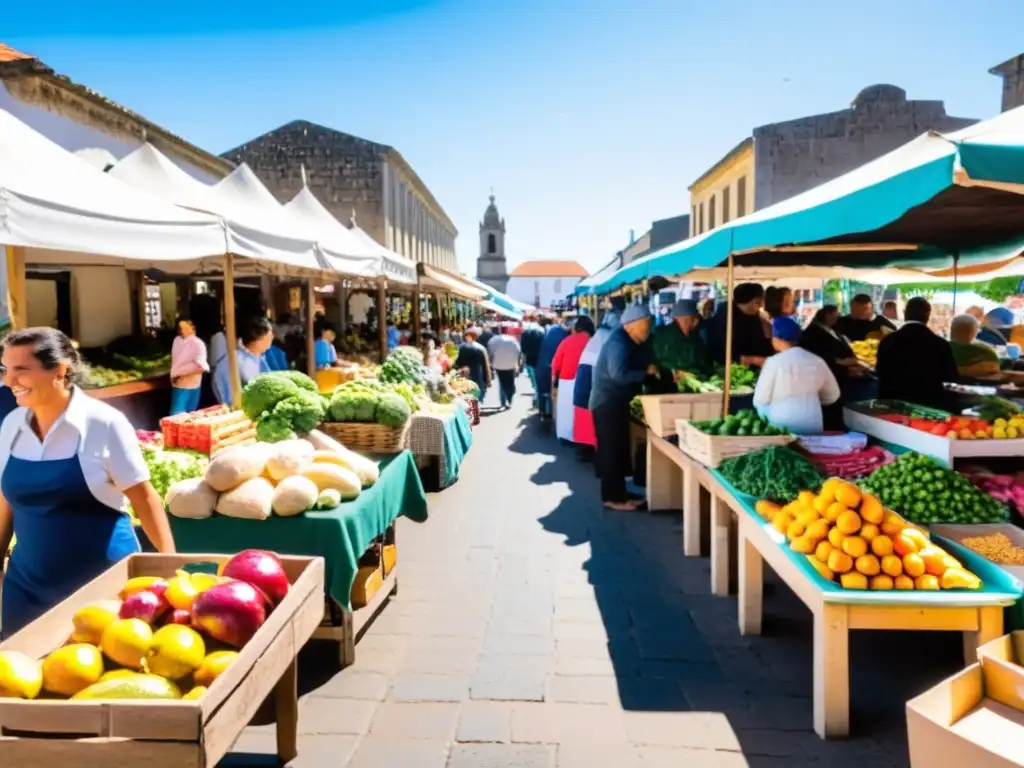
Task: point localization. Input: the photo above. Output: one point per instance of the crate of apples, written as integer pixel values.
(849, 537)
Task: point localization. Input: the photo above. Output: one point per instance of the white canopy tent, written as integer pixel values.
(396, 267)
(344, 250)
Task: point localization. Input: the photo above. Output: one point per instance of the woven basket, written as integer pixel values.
(367, 437)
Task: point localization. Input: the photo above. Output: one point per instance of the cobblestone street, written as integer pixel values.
(533, 630)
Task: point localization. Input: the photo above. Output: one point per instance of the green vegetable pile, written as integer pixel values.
(636, 409)
(742, 380)
(924, 491)
(775, 473)
(282, 404)
(169, 465)
(746, 423)
(368, 400)
(404, 364)
(991, 408)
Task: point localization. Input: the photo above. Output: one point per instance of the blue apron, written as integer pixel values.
(65, 537)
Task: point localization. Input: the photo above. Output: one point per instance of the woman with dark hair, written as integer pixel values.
(564, 368)
(750, 345)
(69, 467)
(326, 355)
(188, 364)
(254, 340)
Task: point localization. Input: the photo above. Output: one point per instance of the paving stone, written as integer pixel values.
(591, 755)
(484, 721)
(439, 662)
(668, 757)
(323, 715)
(352, 683)
(551, 723)
(501, 756)
(511, 625)
(529, 645)
(581, 665)
(401, 720)
(696, 730)
(508, 684)
(417, 686)
(385, 751)
(319, 751)
(579, 689)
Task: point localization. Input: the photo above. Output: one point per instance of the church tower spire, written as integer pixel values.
(491, 267)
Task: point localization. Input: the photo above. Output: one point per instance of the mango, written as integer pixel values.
(854, 581)
(21, 677)
(854, 546)
(71, 669)
(821, 568)
(138, 686)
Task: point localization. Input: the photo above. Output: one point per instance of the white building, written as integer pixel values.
(542, 282)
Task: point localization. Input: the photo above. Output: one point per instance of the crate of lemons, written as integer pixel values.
(849, 537)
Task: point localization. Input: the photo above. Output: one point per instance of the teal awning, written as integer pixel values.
(916, 205)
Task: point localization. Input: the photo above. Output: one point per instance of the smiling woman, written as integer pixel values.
(69, 465)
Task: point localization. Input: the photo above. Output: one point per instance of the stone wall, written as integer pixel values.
(1012, 72)
(794, 156)
(343, 171)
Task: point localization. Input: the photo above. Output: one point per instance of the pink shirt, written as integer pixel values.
(188, 360)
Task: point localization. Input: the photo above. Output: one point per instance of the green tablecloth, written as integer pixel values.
(458, 437)
(340, 535)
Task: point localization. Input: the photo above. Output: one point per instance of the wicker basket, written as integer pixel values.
(367, 437)
(712, 450)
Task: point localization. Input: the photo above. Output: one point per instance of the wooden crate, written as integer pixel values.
(160, 733)
(662, 411)
(712, 450)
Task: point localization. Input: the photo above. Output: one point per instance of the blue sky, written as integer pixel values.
(588, 118)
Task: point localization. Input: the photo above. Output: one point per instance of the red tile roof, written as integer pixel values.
(9, 54)
(549, 269)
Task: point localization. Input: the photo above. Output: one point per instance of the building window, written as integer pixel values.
(741, 196)
(558, 284)
(492, 244)
(700, 219)
(725, 204)
(711, 213)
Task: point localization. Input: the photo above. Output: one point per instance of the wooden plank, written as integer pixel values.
(720, 515)
(286, 711)
(779, 562)
(832, 672)
(663, 478)
(90, 753)
(750, 587)
(136, 719)
(160, 381)
(990, 626)
(691, 511)
(913, 617)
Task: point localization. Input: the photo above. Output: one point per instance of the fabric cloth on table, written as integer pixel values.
(791, 389)
(445, 437)
(583, 423)
(340, 535)
(564, 369)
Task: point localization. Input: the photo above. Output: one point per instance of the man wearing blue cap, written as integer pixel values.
(622, 365)
(679, 347)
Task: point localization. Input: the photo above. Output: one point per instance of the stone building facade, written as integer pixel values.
(1012, 72)
(355, 177)
(492, 267)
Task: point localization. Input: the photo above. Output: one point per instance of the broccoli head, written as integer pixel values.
(353, 404)
(304, 410)
(299, 379)
(392, 411)
(264, 392)
(274, 427)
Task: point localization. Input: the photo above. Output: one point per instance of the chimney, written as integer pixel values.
(1012, 72)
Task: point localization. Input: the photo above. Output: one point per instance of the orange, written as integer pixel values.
(823, 570)
(903, 544)
(957, 578)
(881, 545)
(795, 529)
(828, 489)
(903, 582)
(807, 498)
(892, 565)
(854, 581)
(766, 509)
(840, 562)
(802, 544)
(835, 538)
(892, 524)
(848, 494)
(871, 509)
(934, 560)
(817, 530)
(834, 510)
(926, 581)
(913, 565)
(917, 536)
(781, 521)
(854, 546)
(808, 516)
(848, 522)
(868, 565)
(823, 550)
(868, 532)
(820, 504)
(881, 582)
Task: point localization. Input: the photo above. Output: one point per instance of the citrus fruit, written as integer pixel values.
(854, 581)
(126, 641)
(835, 538)
(21, 677)
(840, 562)
(869, 532)
(854, 546)
(817, 530)
(834, 510)
(881, 545)
(848, 522)
(821, 568)
(868, 565)
(892, 565)
(871, 509)
(934, 560)
(913, 565)
(176, 651)
(213, 666)
(802, 544)
(823, 550)
(90, 620)
(195, 693)
(795, 529)
(881, 582)
(926, 581)
(848, 494)
(903, 544)
(903, 582)
(181, 591)
(72, 668)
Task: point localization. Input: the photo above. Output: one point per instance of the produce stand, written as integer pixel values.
(340, 535)
(662, 411)
(439, 443)
(976, 613)
(674, 481)
(162, 733)
(144, 401)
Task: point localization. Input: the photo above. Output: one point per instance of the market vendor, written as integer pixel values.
(679, 347)
(862, 321)
(188, 364)
(914, 363)
(974, 360)
(795, 383)
(69, 467)
(255, 339)
(750, 345)
(623, 364)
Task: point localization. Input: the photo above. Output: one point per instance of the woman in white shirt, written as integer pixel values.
(794, 383)
(69, 466)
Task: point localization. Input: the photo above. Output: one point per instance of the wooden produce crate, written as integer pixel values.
(958, 533)
(162, 733)
(662, 411)
(712, 450)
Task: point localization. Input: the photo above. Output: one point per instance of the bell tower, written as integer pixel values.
(490, 266)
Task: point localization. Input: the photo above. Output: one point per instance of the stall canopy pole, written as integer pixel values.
(231, 331)
(17, 309)
(956, 275)
(310, 339)
(382, 317)
(728, 336)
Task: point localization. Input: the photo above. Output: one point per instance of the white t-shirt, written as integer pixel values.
(101, 436)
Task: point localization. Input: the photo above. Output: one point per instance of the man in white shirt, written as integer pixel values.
(505, 355)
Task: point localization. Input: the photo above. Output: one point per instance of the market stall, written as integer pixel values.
(439, 443)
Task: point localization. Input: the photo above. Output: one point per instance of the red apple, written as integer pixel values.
(262, 570)
(230, 613)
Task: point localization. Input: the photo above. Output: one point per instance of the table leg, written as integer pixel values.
(990, 626)
(751, 586)
(347, 646)
(691, 514)
(662, 481)
(286, 708)
(832, 671)
(720, 515)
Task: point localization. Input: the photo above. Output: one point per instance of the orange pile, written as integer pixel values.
(850, 537)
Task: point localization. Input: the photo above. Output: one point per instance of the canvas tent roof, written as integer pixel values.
(347, 252)
(396, 267)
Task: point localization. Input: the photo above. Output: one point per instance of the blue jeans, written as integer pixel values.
(184, 400)
(532, 373)
(506, 386)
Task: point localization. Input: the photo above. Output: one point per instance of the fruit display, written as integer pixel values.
(741, 381)
(848, 536)
(161, 639)
(775, 473)
(746, 423)
(924, 491)
(1006, 489)
(208, 430)
(997, 547)
(286, 479)
(995, 418)
(866, 351)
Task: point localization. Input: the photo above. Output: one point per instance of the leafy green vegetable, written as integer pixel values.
(264, 392)
(392, 411)
(280, 407)
(775, 473)
(169, 465)
(299, 379)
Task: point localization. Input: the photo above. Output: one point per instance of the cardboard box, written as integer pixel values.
(1004, 677)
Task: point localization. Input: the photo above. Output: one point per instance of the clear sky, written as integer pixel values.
(588, 117)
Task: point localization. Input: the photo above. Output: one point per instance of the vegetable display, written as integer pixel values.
(1006, 489)
(996, 547)
(367, 400)
(995, 418)
(849, 537)
(775, 473)
(404, 364)
(742, 380)
(855, 464)
(168, 466)
(925, 491)
(746, 423)
(282, 404)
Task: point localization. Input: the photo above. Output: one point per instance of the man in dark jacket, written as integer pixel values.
(862, 320)
(914, 364)
(750, 343)
(529, 343)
